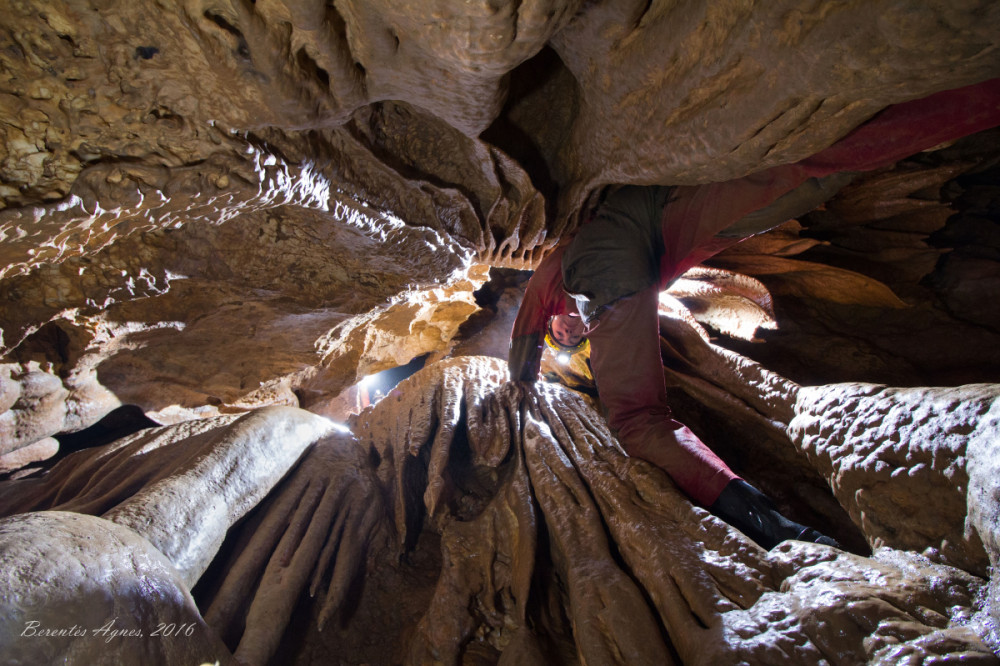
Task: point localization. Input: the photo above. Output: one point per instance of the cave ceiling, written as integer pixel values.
(211, 207)
(195, 179)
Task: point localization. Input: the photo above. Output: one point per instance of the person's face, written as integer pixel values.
(567, 330)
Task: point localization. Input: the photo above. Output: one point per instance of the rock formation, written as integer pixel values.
(229, 213)
(474, 518)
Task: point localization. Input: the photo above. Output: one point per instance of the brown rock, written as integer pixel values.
(210, 209)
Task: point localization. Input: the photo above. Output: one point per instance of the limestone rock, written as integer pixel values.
(179, 487)
(25, 456)
(42, 404)
(80, 589)
(212, 207)
(522, 525)
(353, 158)
(446, 455)
(902, 446)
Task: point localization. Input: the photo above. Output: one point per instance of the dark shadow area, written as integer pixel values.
(488, 297)
(542, 101)
(119, 422)
(931, 237)
(50, 344)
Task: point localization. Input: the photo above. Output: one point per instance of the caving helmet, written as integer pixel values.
(564, 352)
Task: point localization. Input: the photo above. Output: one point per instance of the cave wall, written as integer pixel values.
(213, 207)
(209, 177)
(468, 518)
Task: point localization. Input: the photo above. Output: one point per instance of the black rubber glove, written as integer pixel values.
(525, 357)
(752, 512)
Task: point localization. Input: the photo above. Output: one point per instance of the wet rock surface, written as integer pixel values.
(222, 214)
(81, 589)
(522, 530)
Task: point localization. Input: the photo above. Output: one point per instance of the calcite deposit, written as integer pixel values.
(81, 589)
(220, 217)
(514, 527)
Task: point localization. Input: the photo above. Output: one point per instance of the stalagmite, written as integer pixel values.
(229, 218)
(552, 543)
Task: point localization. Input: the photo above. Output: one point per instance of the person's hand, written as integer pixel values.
(525, 357)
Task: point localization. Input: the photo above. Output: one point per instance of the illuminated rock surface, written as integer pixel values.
(80, 589)
(228, 214)
(471, 516)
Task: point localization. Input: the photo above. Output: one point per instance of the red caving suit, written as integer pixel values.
(641, 239)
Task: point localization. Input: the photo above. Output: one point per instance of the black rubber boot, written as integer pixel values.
(751, 512)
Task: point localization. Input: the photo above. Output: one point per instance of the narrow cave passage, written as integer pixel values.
(223, 225)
